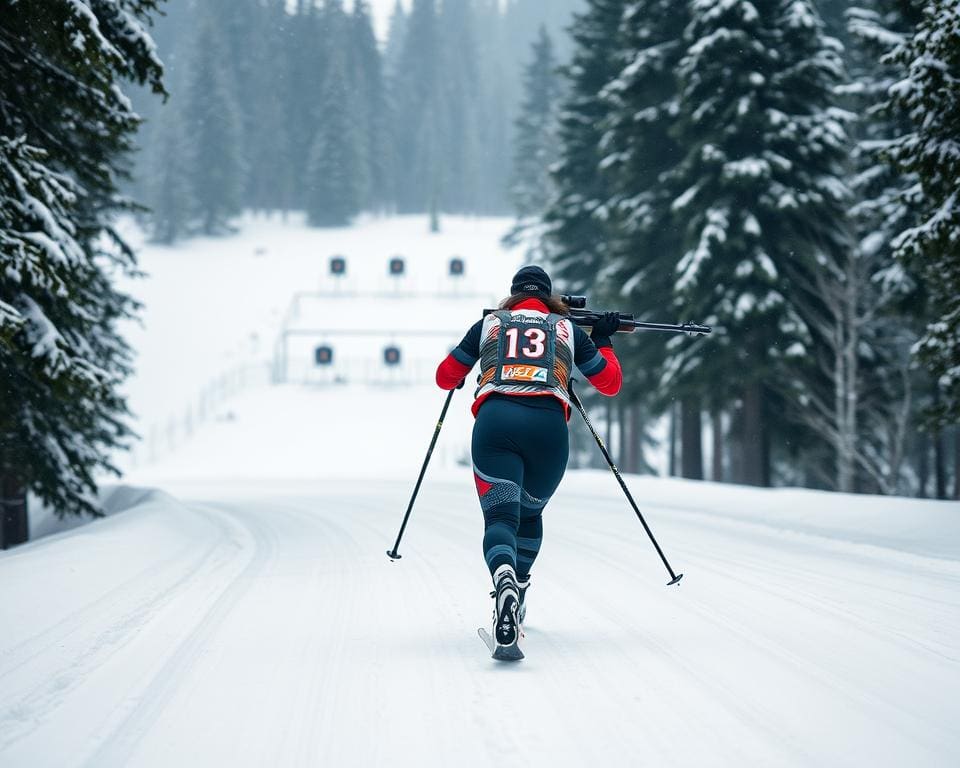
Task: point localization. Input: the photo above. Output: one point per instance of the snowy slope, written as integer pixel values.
(259, 620)
(247, 615)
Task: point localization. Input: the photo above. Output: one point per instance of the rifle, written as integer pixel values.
(584, 317)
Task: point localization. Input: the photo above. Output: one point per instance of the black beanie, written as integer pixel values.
(531, 280)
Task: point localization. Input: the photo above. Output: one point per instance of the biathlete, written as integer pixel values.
(520, 442)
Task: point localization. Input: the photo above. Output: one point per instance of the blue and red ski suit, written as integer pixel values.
(520, 445)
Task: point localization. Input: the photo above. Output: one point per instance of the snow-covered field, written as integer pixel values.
(245, 612)
(259, 622)
(214, 309)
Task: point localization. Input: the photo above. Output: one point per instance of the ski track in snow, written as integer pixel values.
(262, 623)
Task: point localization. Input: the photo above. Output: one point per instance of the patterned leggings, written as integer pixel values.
(519, 456)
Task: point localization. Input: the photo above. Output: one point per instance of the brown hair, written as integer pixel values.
(554, 303)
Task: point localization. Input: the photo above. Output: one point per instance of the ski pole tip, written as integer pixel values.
(393, 555)
(675, 580)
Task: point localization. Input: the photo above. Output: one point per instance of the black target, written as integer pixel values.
(391, 356)
(323, 355)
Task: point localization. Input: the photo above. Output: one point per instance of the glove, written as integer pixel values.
(605, 326)
(462, 382)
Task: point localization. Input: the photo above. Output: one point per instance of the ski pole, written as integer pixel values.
(674, 577)
(393, 554)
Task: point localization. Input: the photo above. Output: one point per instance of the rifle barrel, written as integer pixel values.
(587, 318)
(692, 328)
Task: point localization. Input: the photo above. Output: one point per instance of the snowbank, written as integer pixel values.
(113, 499)
(917, 526)
(88, 556)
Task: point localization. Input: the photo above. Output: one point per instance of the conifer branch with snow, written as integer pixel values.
(928, 92)
(65, 127)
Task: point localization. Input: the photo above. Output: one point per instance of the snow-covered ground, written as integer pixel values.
(245, 612)
(258, 621)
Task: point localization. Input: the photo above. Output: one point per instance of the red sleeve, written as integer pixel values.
(610, 378)
(451, 372)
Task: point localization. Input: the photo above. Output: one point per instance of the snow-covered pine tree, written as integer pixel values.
(214, 125)
(167, 34)
(497, 79)
(396, 34)
(417, 95)
(305, 58)
(834, 15)
(761, 195)
(859, 394)
(928, 92)
(372, 106)
(169, 194)
(460, 86)
(578, 234)
(520, 23)
(535, 148)
(65, 127)
(638, 150)
(335, 175)
(242, 34)
(268, 146)
(876, 27)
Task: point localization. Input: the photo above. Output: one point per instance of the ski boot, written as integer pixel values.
(506, 619)
(523, 583)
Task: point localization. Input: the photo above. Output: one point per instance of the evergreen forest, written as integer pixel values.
(785, 171)
(277, 106)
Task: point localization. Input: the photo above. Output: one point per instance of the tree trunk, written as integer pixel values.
(628, 437)
(716, 421)
(956, 463)
(637, 429)
(755, 455)
(735, 452)
(940, 464)
(766, 464)
(923, 464)
(848, 344)
(691, 464)
(14, 524)
(434, 214)
(844, 458)
(673, 440)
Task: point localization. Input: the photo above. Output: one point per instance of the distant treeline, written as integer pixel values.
(279, 106)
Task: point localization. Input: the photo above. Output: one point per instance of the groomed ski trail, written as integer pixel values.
(261, 623)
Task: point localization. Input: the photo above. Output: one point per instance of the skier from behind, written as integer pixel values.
(520, 441)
